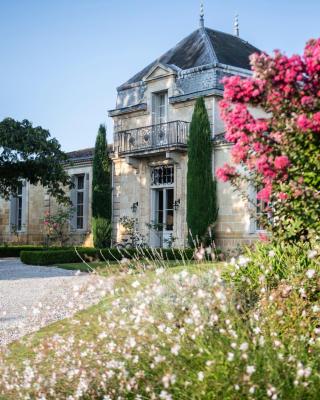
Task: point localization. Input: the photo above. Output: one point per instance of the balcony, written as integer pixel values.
(153, 139)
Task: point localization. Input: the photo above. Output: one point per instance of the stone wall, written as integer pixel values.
(132, 183)
(38, 202)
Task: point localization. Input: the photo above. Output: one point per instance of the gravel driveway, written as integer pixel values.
(31, 297)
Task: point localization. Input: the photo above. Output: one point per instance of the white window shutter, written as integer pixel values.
(73, 198)
(86, 202)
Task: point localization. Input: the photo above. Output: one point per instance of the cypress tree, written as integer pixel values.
(201, 188)
(101, 191)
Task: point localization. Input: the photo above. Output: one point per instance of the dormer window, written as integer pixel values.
(159, 108)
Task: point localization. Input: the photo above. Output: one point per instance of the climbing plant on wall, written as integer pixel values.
(201, 188)
(101, 192)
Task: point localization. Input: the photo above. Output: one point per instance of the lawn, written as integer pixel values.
(83, 323)
(107, 268)
(188, 332)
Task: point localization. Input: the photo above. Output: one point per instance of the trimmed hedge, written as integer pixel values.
(15, 251)
(51, 257)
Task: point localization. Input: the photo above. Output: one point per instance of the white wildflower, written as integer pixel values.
(230, 356)
(243, 260)
(310, 273)
(175, 349)
(250, 369)
(200, 376)
(165, 395)
(244, 346)
(312, 253)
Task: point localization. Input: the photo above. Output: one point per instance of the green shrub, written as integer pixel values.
(101, 232)
(14, 251)
(51, 257)
(262, 267)
(66, 256)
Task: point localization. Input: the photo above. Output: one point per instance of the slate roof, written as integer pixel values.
(204, 46)
(84, 154)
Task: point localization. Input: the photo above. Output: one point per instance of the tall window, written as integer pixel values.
(80, 201)
(163, 211)
(159, 108)
(18, 208)
(261, 211)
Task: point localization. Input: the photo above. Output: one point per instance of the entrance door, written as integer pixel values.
(163, 200)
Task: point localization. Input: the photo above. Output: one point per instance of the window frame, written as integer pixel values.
(166, 179)
(18, 209)
(74, 218)
(80, 204)
(159, 110)
(255, 210)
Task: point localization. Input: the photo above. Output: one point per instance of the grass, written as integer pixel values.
(22, 350)
(107, 268)
(89, 267)
(187, 332)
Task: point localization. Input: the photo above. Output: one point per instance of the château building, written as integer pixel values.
(151, 124)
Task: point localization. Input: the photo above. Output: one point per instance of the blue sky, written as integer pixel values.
(61, 60)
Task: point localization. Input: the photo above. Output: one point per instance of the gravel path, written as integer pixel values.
(32, 297)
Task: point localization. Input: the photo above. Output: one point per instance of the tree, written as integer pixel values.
(279, 153)
(201, 199)
(101, 191)
(27, 152)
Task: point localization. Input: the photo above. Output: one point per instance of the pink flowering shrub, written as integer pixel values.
(56, 225)
(279, 152)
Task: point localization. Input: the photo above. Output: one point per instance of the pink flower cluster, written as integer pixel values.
(306, 123)
(312, 57)
(288, 89)
(226, 173)
(239, 89)
(281, 162)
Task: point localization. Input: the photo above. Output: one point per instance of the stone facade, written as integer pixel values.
(36, 203)
(134, 123)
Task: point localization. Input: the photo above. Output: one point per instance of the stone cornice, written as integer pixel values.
(127, 110)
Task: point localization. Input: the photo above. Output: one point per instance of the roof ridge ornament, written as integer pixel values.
(201, 15)
(236, 25)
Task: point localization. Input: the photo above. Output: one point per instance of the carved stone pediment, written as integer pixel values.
(159, 71)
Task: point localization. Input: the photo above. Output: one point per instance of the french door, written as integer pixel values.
(159, 118)
(163, 215)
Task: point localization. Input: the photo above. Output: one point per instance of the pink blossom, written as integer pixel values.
(239, 152)
(225, 173)
(312, 123)
(282, 196)
(297, 193)
(307, 101)
(263, 237)
(281, 162)
(265, 194)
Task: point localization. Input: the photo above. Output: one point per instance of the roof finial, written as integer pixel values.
(236, 25)
(201, 15)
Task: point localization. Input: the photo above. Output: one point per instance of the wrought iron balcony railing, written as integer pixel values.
(152, 137)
